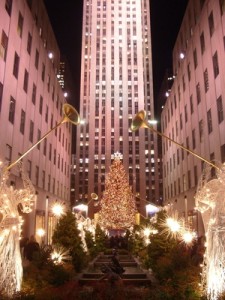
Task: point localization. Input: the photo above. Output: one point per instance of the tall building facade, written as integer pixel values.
(31, 101)
(193, 114)
(116, 83)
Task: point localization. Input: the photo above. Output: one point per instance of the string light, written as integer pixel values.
(58, 209)
(10, 228)
(210, 201)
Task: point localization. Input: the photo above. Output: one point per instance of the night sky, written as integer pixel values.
(166, 18)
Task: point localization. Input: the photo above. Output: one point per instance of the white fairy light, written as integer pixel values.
(59, 255)
(40, 232)
(188, 236)
(10, 229)
(58, 209)
(210, 199)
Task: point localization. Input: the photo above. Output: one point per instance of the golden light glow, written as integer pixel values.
(188, 237)
(59, 255)
(40, 232)
(58, 209)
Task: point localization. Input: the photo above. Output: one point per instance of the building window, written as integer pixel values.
(202, 2)
(189, 72)
(8, 154)
(43, 179)
(178, 156)
(29, 168)
(46, 114)
(50, 152)
(185, 113)
(36, 59)
(25, 80)
(187, 144)
(12, 108)
(29, 43)
(215, 65)
(34, 92)
(189, 179)
(8, 6)
(20, 25)
(220, 109)
(202, 42)
(45, 147)
(200, 126)
(37, 175)
(222, 6)
(195, 58)
(31, 134)
(43, 72)
(213, 170)
(222, 150)
(184, 85)
(209, 121)
(22, 121)
(198, 93)
(1, 93)
(193, 139)
(175, 101)
(41, 105)
(16, 65)
(181, 122)
(195, 175)
(191, 104)
(38, 138)
(206, 80)
(211, 24)
(4, 45)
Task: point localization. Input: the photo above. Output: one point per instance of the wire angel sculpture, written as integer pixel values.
(210, 201)
(10, 228)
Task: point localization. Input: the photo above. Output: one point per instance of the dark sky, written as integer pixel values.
(166, 17)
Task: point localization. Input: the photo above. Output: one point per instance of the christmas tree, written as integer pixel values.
(118, 207)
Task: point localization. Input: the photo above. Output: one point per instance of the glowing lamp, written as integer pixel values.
(50, 55)
(58, 209)
(40, 232)
(182, 55)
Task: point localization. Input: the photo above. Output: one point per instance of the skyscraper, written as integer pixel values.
(193, 114)
(116, 83)
(31, 102)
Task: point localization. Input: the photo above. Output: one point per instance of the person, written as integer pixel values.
(23, 243)
(30, 248)
(116, 266)
(110, 275)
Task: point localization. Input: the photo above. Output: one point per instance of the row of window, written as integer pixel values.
(11, 118)
(173, 105)
(175, 161)
(220, 115)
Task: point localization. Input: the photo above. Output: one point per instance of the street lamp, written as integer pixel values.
(40, 233)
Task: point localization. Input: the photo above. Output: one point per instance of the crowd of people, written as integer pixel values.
(118, 242)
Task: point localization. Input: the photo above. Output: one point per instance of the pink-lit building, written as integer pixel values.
(31, 102)
(116, 83)
(193, 114)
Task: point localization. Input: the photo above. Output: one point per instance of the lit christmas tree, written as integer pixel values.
(118, 207)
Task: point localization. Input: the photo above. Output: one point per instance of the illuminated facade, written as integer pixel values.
(194, 111)
(116, 83)
(30, 104)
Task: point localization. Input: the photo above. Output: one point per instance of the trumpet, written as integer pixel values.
(94, 196)
(70, 115)
(140, 121)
